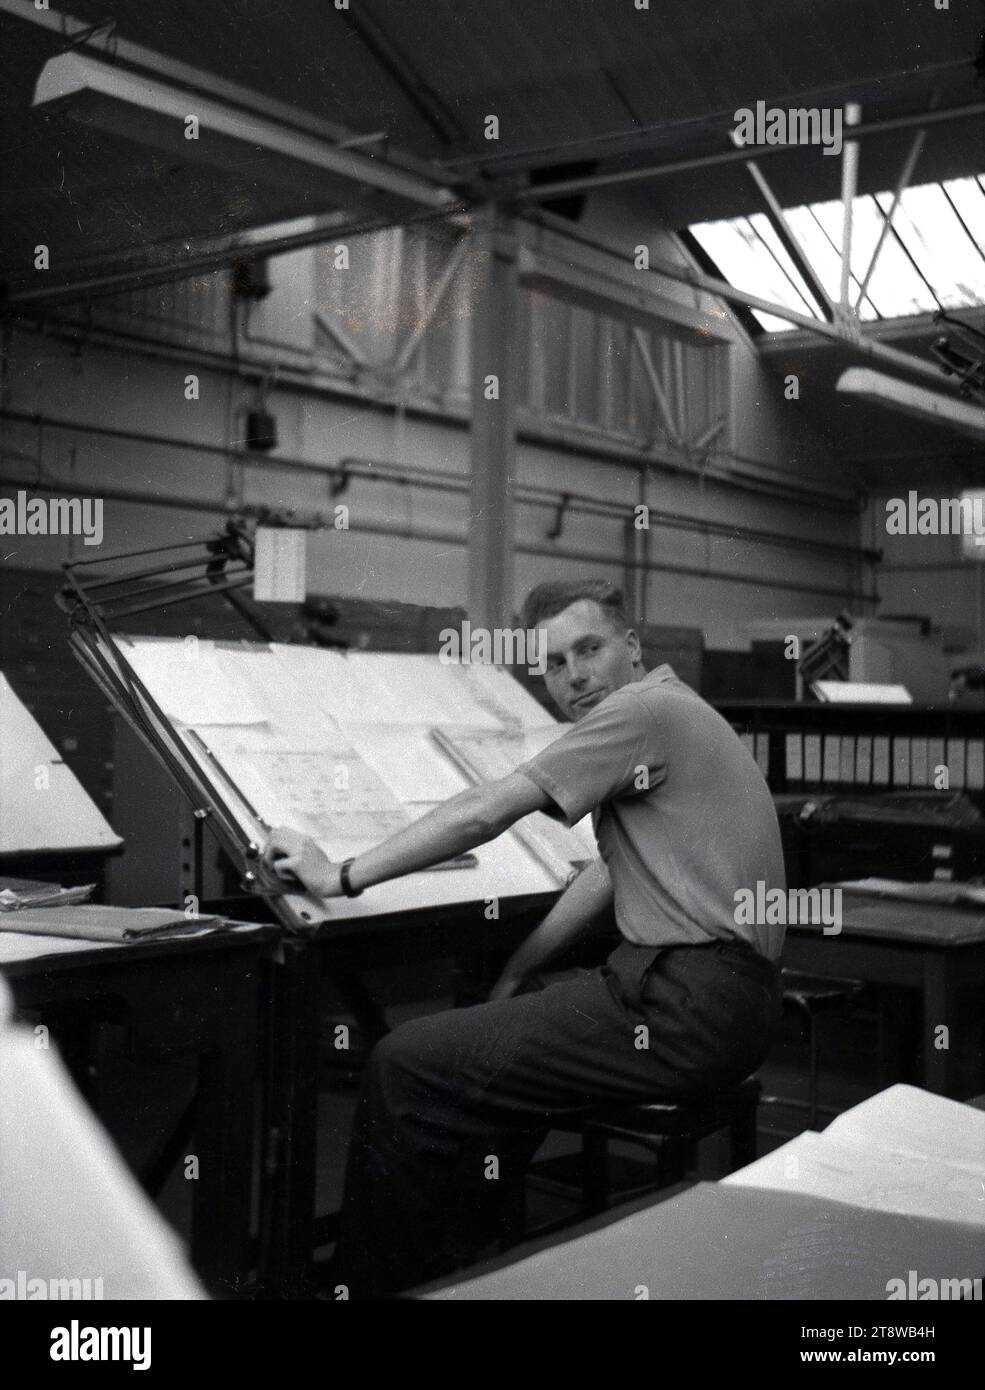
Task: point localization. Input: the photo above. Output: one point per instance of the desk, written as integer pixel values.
(290, 1230)
(938, 951)
(194, 994)
(733, 1243)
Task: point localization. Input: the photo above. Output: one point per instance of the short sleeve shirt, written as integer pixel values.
(682, 813)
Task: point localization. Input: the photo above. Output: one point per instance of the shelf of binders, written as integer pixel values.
(826, 748)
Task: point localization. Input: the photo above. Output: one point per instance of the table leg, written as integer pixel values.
(220, 1246)
(940, 1007)
(289, 1169)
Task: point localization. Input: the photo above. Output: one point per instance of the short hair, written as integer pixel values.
(547, 600)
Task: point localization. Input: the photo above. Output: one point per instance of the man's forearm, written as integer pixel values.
(455, 826)
(572, 917)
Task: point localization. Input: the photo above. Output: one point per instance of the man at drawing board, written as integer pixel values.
(685, 1004)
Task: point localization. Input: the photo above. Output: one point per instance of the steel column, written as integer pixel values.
(495, 320)
(849, 186)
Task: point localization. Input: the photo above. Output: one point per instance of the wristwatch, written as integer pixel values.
(344, 880)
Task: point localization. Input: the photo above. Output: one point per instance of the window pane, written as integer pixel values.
(764, 228)
(896, 289)
(945, 254)
(936, 247)
(747, 263)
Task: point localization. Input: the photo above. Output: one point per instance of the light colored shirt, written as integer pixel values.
(682, 814)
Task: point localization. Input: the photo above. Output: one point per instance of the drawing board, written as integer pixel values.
(349, 748)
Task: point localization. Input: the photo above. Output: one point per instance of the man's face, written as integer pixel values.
(587, 657)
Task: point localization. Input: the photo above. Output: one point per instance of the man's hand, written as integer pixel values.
(289, 855)
(577, 914)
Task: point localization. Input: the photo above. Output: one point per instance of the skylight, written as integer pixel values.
(933, 256)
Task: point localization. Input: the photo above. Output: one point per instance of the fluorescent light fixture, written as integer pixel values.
(139, 108)
(972, 540)
(861, 693)
(936, 409)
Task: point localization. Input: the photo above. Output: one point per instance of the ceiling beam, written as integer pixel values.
(788, 240)
(902, 183)
(645, 137)
(437, 114)
(605, 294)
(251, 245)
(544, 192)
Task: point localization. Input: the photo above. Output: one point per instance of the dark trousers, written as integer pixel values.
(454, 1105)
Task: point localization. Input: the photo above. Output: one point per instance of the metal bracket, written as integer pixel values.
(557, 525)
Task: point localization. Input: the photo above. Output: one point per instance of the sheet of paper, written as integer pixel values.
(189, 682)
(334, 686)
(424, 691)
(486, 755)
(406, 759)
(21, 946)
(878, 1179)
(97, 922)
(904, 1150)
(287, 695)
(42, 803)
(909, 1120)
(336, 798)
(279, 565)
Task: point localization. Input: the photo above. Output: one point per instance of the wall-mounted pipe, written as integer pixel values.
(71, 487)
(380, 471)
(729, 474)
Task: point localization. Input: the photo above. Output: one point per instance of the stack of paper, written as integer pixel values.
(43, 895)
(936, 891)
(89, 922)
(905, 1151)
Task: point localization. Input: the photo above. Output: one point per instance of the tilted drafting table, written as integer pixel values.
(346, 747)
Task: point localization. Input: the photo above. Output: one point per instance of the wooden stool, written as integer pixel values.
(666, 1130)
